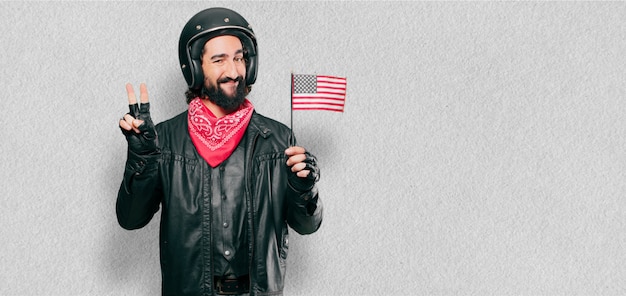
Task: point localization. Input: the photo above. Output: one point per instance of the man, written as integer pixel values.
(226, 178)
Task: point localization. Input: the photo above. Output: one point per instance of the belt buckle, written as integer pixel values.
(228, 287)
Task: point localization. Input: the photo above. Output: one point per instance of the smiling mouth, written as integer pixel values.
(230, 85)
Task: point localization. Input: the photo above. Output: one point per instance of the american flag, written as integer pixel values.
(318, 92)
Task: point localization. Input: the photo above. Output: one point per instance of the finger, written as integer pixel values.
(129, 119)
(132, 99)
(294, 150)
(124, 125)
(137, 123)
(131, 123)
(295, 159)
(143, 93)
(303, 173)
(298, 167)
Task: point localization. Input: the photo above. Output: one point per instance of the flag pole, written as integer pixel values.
(291, 139)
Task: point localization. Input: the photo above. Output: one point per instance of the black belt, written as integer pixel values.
(231, 286)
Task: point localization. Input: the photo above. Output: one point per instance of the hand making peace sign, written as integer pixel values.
(137, 125)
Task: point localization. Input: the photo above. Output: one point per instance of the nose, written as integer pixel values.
(231, 70)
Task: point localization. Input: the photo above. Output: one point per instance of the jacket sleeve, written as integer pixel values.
(304, 211)
(139, 195)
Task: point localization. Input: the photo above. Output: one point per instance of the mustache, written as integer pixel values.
(228, 79)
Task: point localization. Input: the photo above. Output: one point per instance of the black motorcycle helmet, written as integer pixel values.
(211, 23)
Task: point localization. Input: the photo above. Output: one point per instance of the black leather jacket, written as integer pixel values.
(175, 179)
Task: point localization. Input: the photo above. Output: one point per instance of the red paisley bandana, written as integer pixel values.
(216, 138)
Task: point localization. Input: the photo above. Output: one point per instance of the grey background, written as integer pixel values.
(480, 152)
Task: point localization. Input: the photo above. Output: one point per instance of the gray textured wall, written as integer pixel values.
(481, 151)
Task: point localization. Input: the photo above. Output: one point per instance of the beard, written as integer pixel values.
(215, 94)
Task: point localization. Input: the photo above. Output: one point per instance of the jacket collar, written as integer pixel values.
(256, 125)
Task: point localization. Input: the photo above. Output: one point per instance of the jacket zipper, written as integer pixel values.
(251, 209)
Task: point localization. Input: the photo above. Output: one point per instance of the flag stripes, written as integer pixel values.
(318, 92)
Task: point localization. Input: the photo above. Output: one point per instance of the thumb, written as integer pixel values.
(137, 123)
